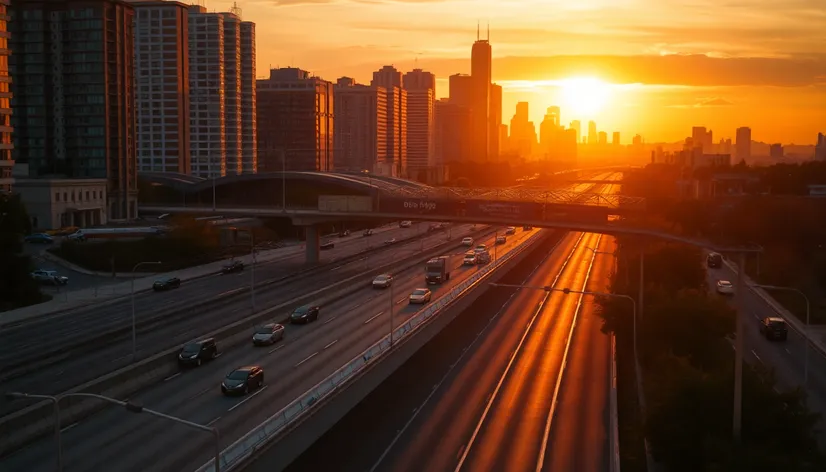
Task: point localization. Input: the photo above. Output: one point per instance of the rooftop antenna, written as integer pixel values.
(477, 30)
(488, 32)
(235, 10)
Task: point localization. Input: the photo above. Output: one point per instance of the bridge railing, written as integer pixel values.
(532, 195)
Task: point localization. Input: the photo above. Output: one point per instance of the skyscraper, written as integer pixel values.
(577, 126)
(391, 80)
(480, 72)
(702, 138)
(602, 138)
(360, 137)
(6, 146)
(421, 146)
(523, 132)
(74, 104)
(295, 122)
(495, 117)
(820, 147)
(232, 91)
(162, 86)
(550, 134)
(742, 143)
(615, 140)
(249, 123)
(453, 124)
(592, 132)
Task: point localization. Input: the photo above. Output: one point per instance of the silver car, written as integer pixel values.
(49, 277)
(383, 281)
(268, 334)
(420, 296)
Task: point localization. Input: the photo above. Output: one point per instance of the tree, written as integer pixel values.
(17, 288)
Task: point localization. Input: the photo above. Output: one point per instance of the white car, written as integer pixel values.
(390, 241)
(405, 224)
(470, 258)
(420, 295)
(467, 241)
(510, 230)
(49, 277)
(724, 287)
(481, 248)
(383, 281)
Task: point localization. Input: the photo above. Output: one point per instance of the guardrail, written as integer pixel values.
(247, 445)
(613, 434)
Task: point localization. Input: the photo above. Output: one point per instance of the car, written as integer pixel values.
(327, 245)
(367, 232)
(39, 238)
(166, 284)
(196, 352)
(268, 334)
(304, 314)
(714, 260)
(344, 233)
(510, 230)
(481, 248)
(77, 236)
(482, 258)
(233, 266)
(420, 296)
(243, 380)
(467, 241)
(469, 259)
(49, 277)
(724, 287)
(390, 241)
(383, 281)
(501, 240)
(774, 327)
(405, 224)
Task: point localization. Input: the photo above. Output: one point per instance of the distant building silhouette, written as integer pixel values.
(615, 140)
(391, 79)
(701, 138)
(820, 147)
(592, 132)
(421, 145)
(776, 151)
(742, 144)
(523, 132)
(576, 125)
(480, 72)
(453, 126)
(495, 117)
(602, 138)
(360, 138)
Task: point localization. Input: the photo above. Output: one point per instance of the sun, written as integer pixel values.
(584, 96)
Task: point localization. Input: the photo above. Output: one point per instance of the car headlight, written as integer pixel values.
(194, 356)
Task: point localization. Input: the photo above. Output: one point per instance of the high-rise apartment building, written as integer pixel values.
(421, 146)
(453, 124)
(6, 145)
(523, 131)
(360, 137)
(742, 143)
(602, 138)
(820, 147)
(702, 138)
(391, 80)
(480, 72)
(615, 140)
(232, 91)
(576, 125)
(550, 134)
(592, 132)
(74, 94)
(295, 122)
(162, 86)
(249, 124)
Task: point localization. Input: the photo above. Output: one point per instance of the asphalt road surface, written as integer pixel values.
(478, 397)
(77, 280)
(74, 363)
(120, 441)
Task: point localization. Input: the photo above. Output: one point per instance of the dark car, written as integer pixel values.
(327, 245)
(527, 228)
(166, 284)
(243, 379)
(268, 334)
(344, 233)
(195, 353)
(714, 260)
(234, 266)
(773, 327)
(304, 314)
(39, 238)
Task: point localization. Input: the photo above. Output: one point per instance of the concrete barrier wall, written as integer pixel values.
(37, 420)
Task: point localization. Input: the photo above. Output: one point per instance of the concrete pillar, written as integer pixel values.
(312, 240)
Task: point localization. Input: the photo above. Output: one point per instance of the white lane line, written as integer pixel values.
(307, 358)
(400, 300)
(250, 397)
(373, 317)
(276, 348)
(171, 377)
(213, 421)
(327, 346)
(788, 351)
(230, 292)
(118, 359)
(199, 393)
(329, 320)
(336, 268)
(756, 356)
(67, 428)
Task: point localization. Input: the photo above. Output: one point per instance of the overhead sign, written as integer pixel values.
(420, 206)
(516, 211)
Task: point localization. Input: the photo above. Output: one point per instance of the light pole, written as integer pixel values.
(252, 271)
(132, 296)
(55, 400)
(391, 313)
(131, 407)
(283, 181)
(805, 334)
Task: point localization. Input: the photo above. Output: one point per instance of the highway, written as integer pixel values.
(117, 440)
(479, 396)
(78, 354)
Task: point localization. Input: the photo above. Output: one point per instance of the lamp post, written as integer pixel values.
(391, 313)
(283, 181)
(132, 407)
(55, 401)
(805, 334)
(132, 296)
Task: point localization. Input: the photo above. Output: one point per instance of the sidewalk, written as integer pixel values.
(71, 299)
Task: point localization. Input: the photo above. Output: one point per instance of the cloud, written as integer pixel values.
(713, 102)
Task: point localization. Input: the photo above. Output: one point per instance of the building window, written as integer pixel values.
(57, 196)
(87, 195)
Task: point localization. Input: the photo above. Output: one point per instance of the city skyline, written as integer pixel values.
(751, 57)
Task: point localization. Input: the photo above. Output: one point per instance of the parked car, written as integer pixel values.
(510, 230)
(49, 277)
(344, 233)
(305, 314)
(724, 287)
(39, 238)
(774, 327)
(268, 334)
(367, 232)
(197, 352)
(243, 380)
(233, 266)
(327, 245)
(420, 296)
(383, 281)
(467, 241)
(77, 236)
(166, 284)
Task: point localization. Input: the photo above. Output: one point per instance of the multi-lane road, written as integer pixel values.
(117, 440)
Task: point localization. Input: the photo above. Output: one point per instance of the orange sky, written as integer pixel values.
(674, 63)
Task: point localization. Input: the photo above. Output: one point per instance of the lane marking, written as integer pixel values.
(67, 428)
(401, 300)
(788, 351)
(171, 377)
(249, 397)
(336, 268)
(230, 292)
(757, 357)
(329, 320)
(327, 346)
(307, 358)
(276, 348)
(373, 317)
(199, 393)
(213, 421)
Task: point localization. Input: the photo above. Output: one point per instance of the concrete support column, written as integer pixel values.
(312, 241)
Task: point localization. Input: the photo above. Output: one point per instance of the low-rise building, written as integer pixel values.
(54, 203)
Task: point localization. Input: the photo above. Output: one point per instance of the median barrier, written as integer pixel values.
(37, 420)
(308, 404)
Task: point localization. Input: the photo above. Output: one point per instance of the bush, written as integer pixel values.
(17, 288)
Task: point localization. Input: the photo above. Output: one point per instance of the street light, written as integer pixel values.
(392, 303)
(130, 406)
(134, 329)
(805, 334)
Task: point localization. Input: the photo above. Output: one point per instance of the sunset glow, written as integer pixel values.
(585, 97)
